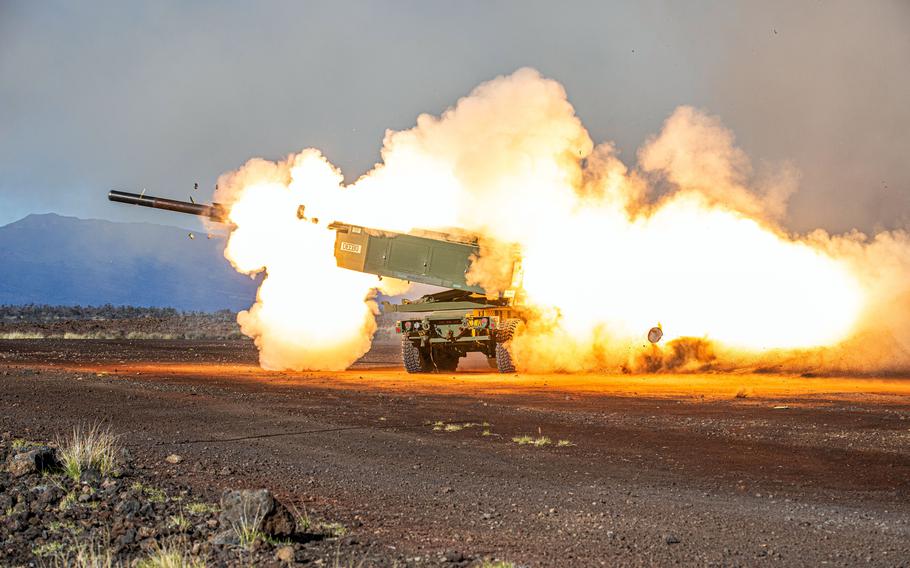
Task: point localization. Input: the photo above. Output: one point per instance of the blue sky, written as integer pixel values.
(159, 95)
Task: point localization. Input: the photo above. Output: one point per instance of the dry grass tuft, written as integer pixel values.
(88, 448)
(179, 522)
(21, 335)
(440, 426)
(532, 441)
(248, 527)
(48, 549)
(89, 555)
(333, 529)
(170, 557)
(302, 520)
(153, 494)
(201, 508)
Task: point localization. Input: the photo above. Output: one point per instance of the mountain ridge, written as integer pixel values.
(49, 258)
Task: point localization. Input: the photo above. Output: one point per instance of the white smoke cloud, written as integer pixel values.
(690, 239)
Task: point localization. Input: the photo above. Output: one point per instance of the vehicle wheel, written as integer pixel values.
(503, 338)
(415, 361)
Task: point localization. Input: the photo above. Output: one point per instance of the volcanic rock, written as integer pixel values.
(226, 538)
(128, 537)
(246, 507)
(32, 460)
(127, 507)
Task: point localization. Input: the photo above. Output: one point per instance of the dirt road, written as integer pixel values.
(639, 470)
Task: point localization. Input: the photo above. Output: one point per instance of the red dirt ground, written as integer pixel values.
(798, 471)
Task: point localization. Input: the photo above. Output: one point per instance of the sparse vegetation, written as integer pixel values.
(532, 441)
(153, 494)
(306, 525)
(88, 448)
(114, 322)
(248, 527)
(68, 501)
(178, 522)
(170, 557)
(247, 534)
(302, 520)
(439, 425)
(47, 549)
(274, 541)
(333, 529)
(564, 444)
(21, 335)
(177, 532)
(90, 555)
(201, 508)
(59, 526)
(497, 564)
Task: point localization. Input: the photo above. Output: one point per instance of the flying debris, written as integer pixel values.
(655, 333)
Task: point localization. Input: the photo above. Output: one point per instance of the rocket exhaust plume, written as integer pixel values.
(690, 239)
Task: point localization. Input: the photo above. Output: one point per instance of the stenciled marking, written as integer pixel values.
(350, 247)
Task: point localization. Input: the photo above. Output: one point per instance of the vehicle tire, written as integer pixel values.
(503, 337)
(414, 360)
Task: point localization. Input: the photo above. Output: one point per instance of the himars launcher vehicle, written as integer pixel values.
(437, 329)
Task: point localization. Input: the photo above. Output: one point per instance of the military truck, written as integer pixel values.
(437, 329)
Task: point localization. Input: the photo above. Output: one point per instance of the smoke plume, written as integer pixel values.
(689, 239)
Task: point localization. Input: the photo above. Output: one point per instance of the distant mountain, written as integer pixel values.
(52, 259)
